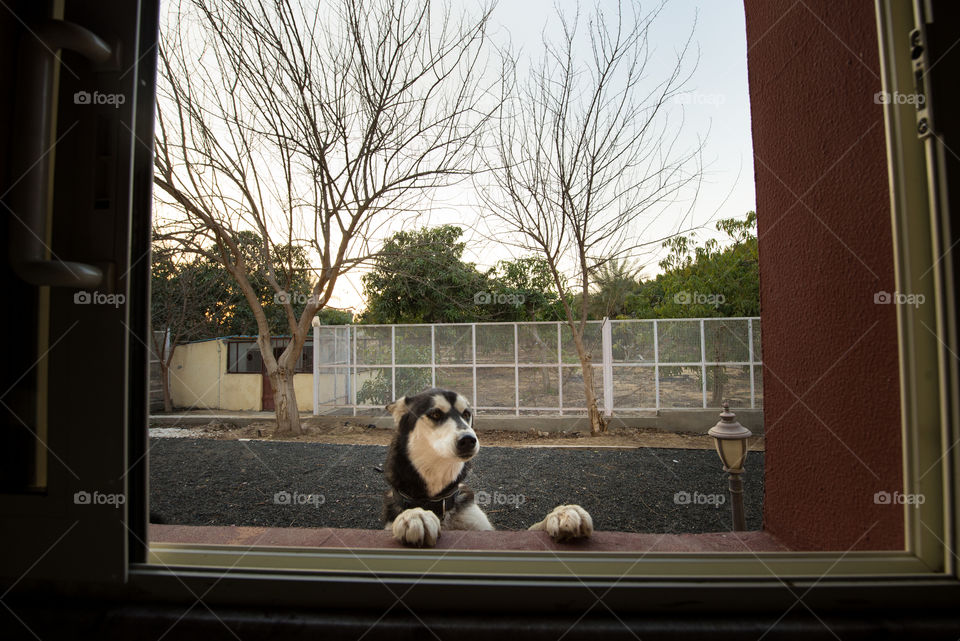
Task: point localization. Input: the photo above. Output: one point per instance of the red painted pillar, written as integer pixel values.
(831, 387)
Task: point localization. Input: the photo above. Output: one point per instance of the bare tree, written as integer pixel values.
(585, 159)
(312, 125)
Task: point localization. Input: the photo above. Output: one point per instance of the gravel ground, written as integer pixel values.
(283, 484)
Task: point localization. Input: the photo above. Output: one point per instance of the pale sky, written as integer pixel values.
(716, 109)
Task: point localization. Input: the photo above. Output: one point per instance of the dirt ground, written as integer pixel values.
(353, 431)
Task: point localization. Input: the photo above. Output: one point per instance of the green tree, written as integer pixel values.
(711, 280)
(331, 316)
(524, 292)
(643, 302)
(420, 277)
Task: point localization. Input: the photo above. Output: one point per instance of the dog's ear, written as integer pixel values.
(398, 408)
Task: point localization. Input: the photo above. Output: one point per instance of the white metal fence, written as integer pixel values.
(533, 368)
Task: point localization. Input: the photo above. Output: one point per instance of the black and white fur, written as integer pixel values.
(429, 458)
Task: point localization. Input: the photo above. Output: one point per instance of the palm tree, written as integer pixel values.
(614, 280)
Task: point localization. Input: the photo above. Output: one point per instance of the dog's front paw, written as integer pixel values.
(417, 526)
(566, 522)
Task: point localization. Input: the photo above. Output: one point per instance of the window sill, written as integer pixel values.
(464, 540)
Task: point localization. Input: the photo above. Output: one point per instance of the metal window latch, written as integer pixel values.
(918, 55)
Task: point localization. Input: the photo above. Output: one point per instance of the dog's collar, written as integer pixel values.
(438, 506)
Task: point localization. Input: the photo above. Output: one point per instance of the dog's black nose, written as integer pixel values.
(466, 444)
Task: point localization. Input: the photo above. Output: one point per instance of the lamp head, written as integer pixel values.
(731, 439)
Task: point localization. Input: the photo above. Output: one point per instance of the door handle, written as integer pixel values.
(30, 194)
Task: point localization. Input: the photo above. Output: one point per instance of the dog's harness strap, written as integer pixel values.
(437, 506)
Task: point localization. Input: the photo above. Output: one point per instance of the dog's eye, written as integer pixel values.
(466, 415)
(436, 415)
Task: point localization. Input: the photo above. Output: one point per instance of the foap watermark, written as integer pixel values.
(96, 98)
(898, 498)
(97, 498)
(897, 98)
(296, 498)
(698, 298)
(98, 298)
(696, 498)
(491, 298)
(697, 98)
(295, 298)
(499, 498)
(898, 298)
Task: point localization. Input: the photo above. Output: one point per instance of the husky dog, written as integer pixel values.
(427, 462)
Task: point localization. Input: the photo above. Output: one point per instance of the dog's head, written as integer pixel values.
(440, 419)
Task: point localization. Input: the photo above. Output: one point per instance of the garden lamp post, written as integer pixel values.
(731, 438)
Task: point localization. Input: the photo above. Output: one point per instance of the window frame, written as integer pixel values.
(745, 581)
(925, 564)
(304, 363)
(233, 350)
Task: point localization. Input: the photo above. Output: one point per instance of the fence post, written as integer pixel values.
(750, 346)
(516, 369)
(656, 366)
(703, 363)
(353, 370)
(473, 341)
(607, 335)
(560, 366)
(336, 370)
(393, 364)
(316, 365)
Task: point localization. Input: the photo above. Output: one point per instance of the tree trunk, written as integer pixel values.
(165, 385)
(717, 392)
(598, 424)
(285, 402)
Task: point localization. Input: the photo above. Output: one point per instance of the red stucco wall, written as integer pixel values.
(831, 391)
